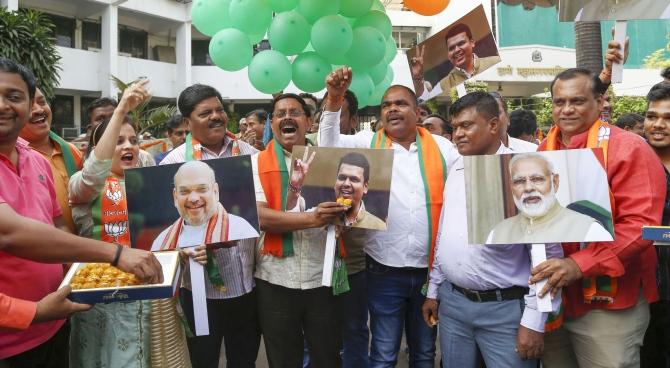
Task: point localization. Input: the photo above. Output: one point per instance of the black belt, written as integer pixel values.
(496, 295)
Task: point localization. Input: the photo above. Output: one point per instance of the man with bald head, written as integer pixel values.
(196, 197)
(541, 218)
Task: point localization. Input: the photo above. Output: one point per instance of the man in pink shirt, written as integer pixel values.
(27, 186)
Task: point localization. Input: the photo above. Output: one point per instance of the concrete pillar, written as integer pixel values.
(109, 57)
(77, 112)
(183, 52)
(11, 5)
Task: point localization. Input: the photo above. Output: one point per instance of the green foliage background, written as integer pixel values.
(26, 36)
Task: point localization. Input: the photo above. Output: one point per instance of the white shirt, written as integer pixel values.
(238, 228)
(178, 154)
(481, 267)
(235, 264)
(304, 269)
(406, 242)
(519, 145)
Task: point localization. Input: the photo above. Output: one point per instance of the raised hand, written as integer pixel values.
(416, 68)
(300, 168)
(135, 95)
(337, 84)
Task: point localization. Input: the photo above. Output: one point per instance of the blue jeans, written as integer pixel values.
(492, 326)
(395, 300)
(353, 309)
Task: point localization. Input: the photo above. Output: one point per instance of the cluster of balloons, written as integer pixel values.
(308, 39)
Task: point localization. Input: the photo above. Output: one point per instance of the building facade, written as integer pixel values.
(98, 39)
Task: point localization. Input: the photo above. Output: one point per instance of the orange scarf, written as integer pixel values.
(595, 288)
(194, 148)
(274, 178)
(217, 231)
(110, 214)
(434, 175)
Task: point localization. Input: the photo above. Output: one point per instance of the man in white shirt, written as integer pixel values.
(482, 291)
(514, 144)
(398, 258)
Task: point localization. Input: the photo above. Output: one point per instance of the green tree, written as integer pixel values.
(27, 37)
(148, 120)
(660, 58)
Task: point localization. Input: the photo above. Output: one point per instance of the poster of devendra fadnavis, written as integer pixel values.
(357, 178)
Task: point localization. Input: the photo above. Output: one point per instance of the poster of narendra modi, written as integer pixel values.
(192, 203)
(538, 197)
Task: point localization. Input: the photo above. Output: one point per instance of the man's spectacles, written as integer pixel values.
(292, 113)
(535, 180)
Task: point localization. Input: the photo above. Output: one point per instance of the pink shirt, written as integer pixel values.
(29, 190)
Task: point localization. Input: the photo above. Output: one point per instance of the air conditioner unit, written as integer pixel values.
(165, 54)
(69, 133)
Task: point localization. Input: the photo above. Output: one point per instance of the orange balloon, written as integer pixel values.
(426, 7)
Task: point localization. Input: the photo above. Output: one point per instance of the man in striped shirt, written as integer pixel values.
(232, 311)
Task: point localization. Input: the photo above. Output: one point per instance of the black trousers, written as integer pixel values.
(656, 347)
(53, 353)
(235, 321)
(290, 316)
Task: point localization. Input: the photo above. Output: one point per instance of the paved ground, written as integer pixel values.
(262, 362)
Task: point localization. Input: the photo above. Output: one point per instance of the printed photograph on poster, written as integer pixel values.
(596, 10)
(455, 54)
(538, 197)
(357, 178)
(192, 203)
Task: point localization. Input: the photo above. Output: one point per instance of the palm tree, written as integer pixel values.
(588, 43)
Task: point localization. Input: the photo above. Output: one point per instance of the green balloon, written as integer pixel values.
(310, 71)
(375, 19)
(377, 5)
(269, 71)
(367, 48)
(282, 5)
(378, 94)
(378, 72)
(255, 39)
(362, 87)
(391, 50)
(289, 33)
(331, 37)
(354, 8)
(250, 16)
(210, 16)
(230, 49)
(389, 75)
(312, 10)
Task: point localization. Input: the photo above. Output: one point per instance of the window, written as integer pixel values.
(408, 37)
(63, 113)
(63, 30)
(91, 35)
(200, 52)
(133, 42)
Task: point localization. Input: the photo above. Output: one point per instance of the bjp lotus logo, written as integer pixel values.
(114, 192)
(116, 229)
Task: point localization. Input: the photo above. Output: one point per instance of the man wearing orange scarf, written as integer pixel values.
(607, 285)
(398, 259)
(292, 304)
